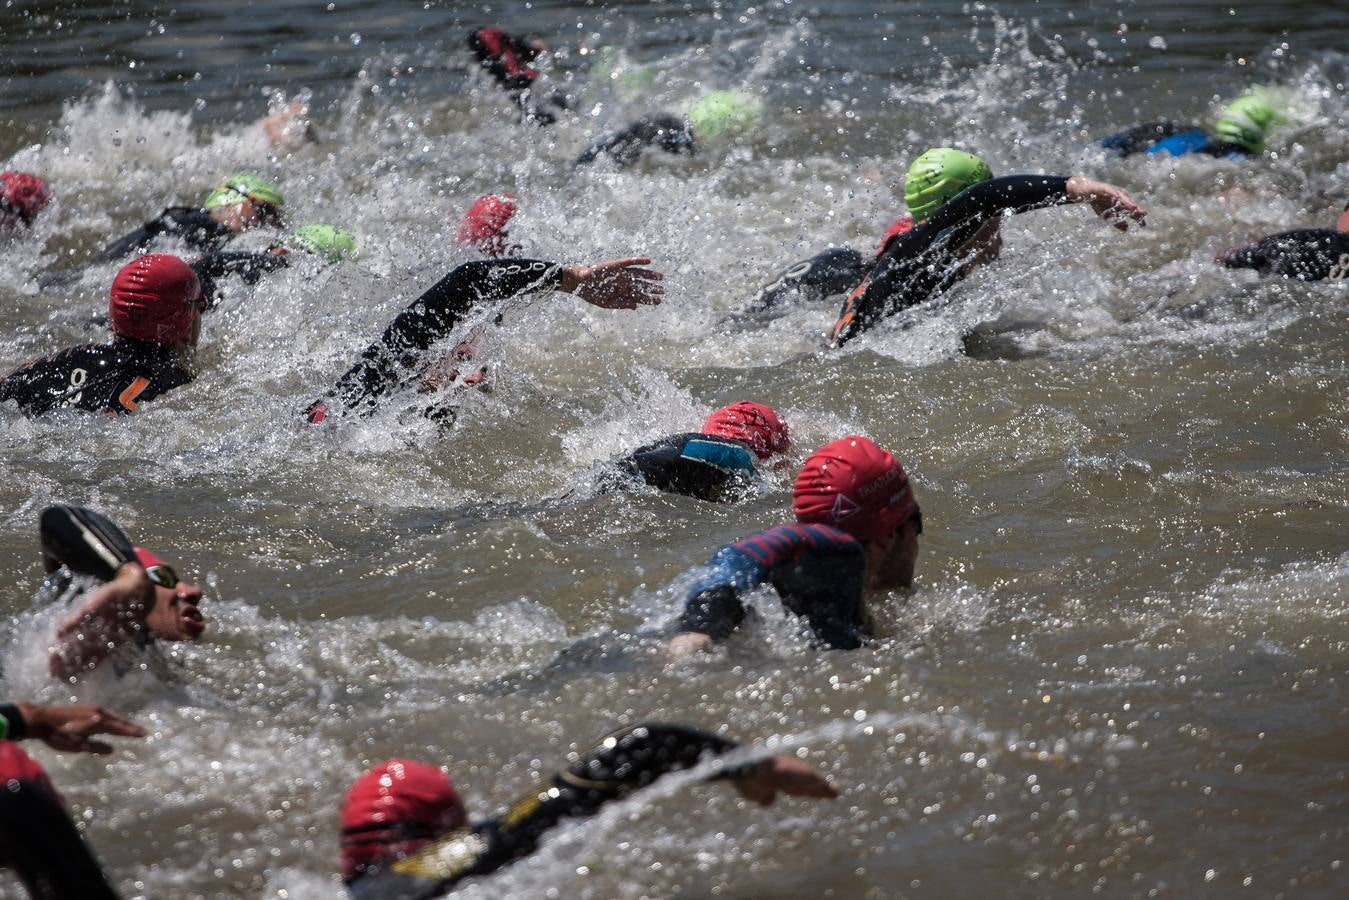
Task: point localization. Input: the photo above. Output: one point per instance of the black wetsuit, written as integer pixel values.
(1310, 254)
(107, 378)
(191, 224)
(662, 132)
(827, 274)
(818, 571)
(923, 263)
(702, 466)
(623, 762)
(398, 356)
(249, 266)
(37, 837)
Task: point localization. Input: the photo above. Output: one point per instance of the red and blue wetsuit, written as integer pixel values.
(819, 572)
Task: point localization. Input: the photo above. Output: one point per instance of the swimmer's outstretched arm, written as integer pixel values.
(613, 284)
(68, 728)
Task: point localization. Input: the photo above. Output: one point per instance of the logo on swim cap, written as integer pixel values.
(844, 507)
(936, 177)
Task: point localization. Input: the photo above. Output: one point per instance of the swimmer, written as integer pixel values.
(507, 59)
(406, 834)
(141, 599)
(239, 203)
(38, 839)
(22, 196)
(1239, 132)
(718, 463)
(856, 530)
(484, 226)
(154, 308)
(1308, 254)
(960, 207)
(399, 358)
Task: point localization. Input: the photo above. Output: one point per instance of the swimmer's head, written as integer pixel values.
(22, 196)
(395, 809)
(1246, 122)
(484, 225)
(327, 241)
(176, 614)
(258, 200)
(861, 489)
(724, 112)
(1343, 223)
(156, 298)
(855, 486)
(937, 176)
(751, 423)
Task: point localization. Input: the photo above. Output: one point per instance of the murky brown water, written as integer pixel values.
(1124, 671)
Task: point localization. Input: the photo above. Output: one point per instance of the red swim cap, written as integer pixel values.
(148, 558)
(484, 225)
(24, 195)
(903, 225)
(754, 424)
(155, 298)
(395, 809)
(855, 486)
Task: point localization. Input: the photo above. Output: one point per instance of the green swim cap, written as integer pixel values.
(937, 176)
(1246, 121)
(724, 112)
(327, 241)
(238, 188)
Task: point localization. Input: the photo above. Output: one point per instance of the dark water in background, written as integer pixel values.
(1124, 671)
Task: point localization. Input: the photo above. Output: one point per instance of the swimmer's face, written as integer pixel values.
(892, 559)
(176, 615)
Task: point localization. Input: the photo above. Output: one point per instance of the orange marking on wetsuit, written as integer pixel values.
(128, 397)
(849, 311)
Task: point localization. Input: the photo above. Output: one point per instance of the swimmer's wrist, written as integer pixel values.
(13, 725)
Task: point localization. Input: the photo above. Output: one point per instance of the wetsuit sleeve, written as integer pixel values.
(922, 263)
(712, 605)
(84, 541)
(835, 271)
(385, 363)
(1310, 254)
(134, 240)
(623, 762)
(37, 838)
(625, 147)
(250, 267)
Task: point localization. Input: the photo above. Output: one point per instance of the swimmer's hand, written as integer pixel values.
(70, 728)
(690, 643)
(1109, 202)
(615, 283)
(787, 774)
